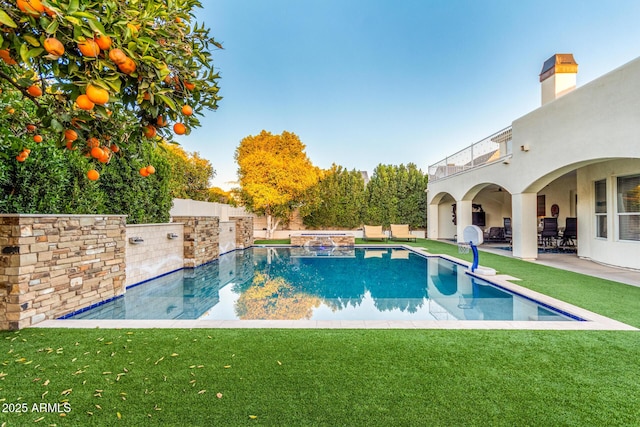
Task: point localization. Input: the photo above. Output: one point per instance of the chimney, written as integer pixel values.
(558, 76)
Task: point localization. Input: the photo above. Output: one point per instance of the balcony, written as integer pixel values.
(492, 149)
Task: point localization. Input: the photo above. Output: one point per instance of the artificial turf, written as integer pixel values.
(337, 377)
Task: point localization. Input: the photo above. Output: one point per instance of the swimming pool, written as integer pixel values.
(286, 283)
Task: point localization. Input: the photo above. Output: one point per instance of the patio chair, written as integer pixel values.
(549, 232)
(401, 231)
(373, 232)
(570, 233)
(495, 234)
(508, 232)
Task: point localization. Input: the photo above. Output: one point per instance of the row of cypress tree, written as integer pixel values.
(394, 195)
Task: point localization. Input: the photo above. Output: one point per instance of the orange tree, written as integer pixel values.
(276, 176)
(112, 75)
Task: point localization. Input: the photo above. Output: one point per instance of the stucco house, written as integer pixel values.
(576, 156)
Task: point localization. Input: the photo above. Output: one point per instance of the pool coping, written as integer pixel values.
(592, 321)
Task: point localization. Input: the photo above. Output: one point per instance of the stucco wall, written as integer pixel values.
(610, 250)
(592, 125)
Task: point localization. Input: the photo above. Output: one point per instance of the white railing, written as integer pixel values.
(489, 150)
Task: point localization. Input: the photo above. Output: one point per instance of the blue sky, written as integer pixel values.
(363, 82)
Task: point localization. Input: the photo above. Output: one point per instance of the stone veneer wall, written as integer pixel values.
(344, 239)
(157, 254)
(244, 231)
(201, 239)
(51, 265)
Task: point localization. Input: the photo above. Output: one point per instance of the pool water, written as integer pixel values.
(322, 284)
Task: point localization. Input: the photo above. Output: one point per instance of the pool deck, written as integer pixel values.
(593, 321)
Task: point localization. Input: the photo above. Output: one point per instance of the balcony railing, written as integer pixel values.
(489, 150)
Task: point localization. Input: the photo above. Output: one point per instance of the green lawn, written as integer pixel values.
(339, 377)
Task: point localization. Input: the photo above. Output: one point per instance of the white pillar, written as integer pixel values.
(524, 225)
(432, 221)
(463, 216)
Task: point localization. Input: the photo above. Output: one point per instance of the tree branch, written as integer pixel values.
(21, 89)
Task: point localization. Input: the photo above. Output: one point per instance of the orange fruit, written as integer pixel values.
(97, 95)
(105, 157)
(179, 129)
(49, 12)
(6, 57)
(30, 7)
(160, 121)
(189, 85)
(53, 46)
(96, 152)
(21, 158)
(187, 110)
(151, 170)
(115, 148)
(37, 138)
(70, 145)
(34, 91)
(128, 66)
(26, 150)
(146, 96)
(144, 172)
(93, 142)
(149, 131)
(89, 48)
(117, 56)
(93, 175)
(70, 135)
(84, 102)
(103, 41)
(31, 128)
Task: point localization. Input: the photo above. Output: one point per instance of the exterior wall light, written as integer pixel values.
(172, 236)
(136, 240)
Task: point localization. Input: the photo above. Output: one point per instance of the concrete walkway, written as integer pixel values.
(571, 262)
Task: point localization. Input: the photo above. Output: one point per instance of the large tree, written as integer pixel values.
(190, 173)
(395, 195)
(104, 77)
(275, 175)
(340, 200)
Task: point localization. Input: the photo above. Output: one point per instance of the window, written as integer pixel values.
(629, 207)
(601, 208)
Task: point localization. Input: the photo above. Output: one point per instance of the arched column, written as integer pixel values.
(433, 231)
(524, 225)
(463, 216)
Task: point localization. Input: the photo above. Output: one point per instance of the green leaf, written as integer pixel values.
(73, 6)
(74, 21)
(24, 51)
(96, 26)
(167, 101)
(6, 20)
(35, 52)
(32, 40)
(56, 125)
(114, 84)
(52, 28)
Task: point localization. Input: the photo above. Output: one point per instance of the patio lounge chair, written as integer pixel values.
(401, 231)
(373, 232)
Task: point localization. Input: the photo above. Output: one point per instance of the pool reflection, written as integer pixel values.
(321, 284)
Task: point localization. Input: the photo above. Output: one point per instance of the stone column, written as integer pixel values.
(244, 231)
(201, 239)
